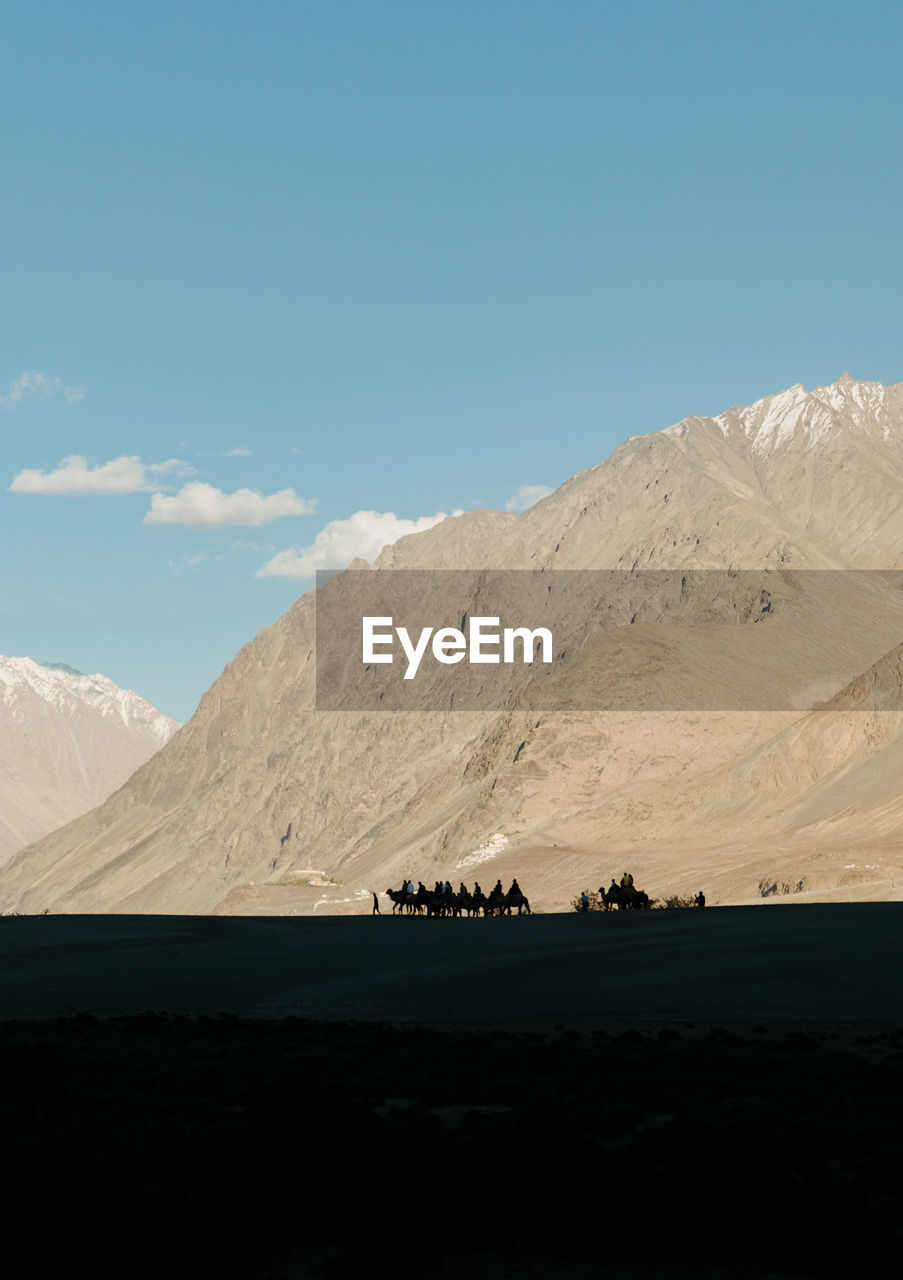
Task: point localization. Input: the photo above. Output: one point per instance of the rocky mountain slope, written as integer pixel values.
(67, 741)
(746, 801)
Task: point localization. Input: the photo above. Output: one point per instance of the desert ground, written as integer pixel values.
(798, 963)
(666, 1095)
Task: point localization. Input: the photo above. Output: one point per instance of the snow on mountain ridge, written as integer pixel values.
(70, 691)
(808, 417)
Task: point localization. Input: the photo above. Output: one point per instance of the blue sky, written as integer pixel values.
(399, 258)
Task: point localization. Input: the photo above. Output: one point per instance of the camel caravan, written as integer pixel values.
(444, 901)
(625, 896)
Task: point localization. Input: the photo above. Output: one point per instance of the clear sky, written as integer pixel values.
(372, 262)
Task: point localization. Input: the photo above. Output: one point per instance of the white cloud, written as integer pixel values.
(202, 505)
(526, 496)
(238, 452)
(125, 474)
(34, 385)
(363, 534)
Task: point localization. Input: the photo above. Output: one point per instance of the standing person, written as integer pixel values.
(376, 910)
(584, 901)
(626, 894)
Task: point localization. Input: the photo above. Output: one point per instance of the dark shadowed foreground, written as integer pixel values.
(734, 965)
(300, 1142)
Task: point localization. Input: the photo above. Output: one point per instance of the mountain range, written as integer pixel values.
(749, 803)
(67, 741)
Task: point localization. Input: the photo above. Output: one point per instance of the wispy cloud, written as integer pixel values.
(261, 548)
(193, 560)
(125, 474)
(204, 506)
(363, 534)
(34, 385)
(238, 452)
(527, 496)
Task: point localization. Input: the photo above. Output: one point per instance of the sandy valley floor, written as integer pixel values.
(732, 965)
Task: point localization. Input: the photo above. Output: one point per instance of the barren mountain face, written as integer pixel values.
(66, 741)
(749, 800)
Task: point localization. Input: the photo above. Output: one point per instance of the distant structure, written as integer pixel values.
(313, 876)
(484, 852)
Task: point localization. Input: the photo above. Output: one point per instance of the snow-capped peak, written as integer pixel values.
(807, 417)
(68, 690)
